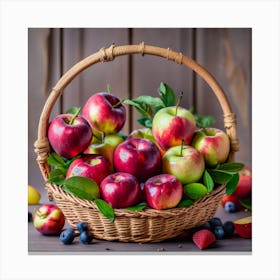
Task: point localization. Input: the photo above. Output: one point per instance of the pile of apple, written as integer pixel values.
(158, 165)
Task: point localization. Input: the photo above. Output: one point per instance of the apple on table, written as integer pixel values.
(105, 112)
(139, 157)
(49, 219)
(69, 135)
(95, 167)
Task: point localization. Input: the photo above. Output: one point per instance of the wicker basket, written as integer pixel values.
(148, 225)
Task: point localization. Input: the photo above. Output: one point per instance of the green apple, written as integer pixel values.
(105, 147)
(184, 162)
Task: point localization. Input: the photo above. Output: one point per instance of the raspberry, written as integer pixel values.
(203, 238)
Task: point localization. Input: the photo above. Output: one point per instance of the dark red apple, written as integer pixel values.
(95, 167)
(105, 112)
(120, 190)
(244, 187)
(68, 140)
(139, 157)
(163, 191)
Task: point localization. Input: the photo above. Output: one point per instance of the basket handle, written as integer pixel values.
(42, 147)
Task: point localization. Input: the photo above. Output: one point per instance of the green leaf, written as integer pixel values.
(81, 187)
(185, 203)
(219, 177)
(55, 160)
(232, 184)
(139, 107)
(195, 190)
(57, 176)
(152, 101)
(145, 121)
(73, 110)
(167, 94)
(230, 167)
(246, 203)
(105, 209)
(137, 207)
(208, 181)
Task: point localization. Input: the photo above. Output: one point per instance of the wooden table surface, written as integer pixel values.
(40, 244)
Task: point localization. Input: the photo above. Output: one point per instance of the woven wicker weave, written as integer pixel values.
(148, 225)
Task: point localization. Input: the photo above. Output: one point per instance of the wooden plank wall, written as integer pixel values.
(226, 53)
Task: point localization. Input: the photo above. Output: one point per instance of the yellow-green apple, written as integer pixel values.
(243, 227)
(49, 219)
(145, 133)
(105, 112)
(171, 125)
(184, 162)
(139, 157)
(120, 190)
(67, 138)
(244, 186)
(95, 167)
(213, 144)
(105, 146)
(163, 191)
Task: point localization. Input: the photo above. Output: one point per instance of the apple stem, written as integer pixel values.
(178, 102)
(182, 146)
(74, 116)
(108, 88)
(118, 103)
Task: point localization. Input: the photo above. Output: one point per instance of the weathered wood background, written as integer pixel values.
(225, 52)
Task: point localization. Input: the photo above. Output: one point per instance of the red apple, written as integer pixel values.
(139, 157)
(95, 167)
(185, 163)
(68, 140)
(243, 227)
(49, 219)
(163, 191)
(171, 125)
(213, 144)
(120, 190)
(104, 112)
(244, 187)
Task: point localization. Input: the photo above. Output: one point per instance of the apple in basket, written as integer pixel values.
(95, 167)
(171, 125)
(121, 190)
(184, 162)
(105, 146)
(213, 144)
(163, 191)
(105, 112)
(49, 219)
(69, 135)
(244, 186)
(139, 157)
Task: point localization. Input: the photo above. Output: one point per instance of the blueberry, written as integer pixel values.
(214, 222)
(219, 232)
(86, 237)
(206, 225)
(67, 236)
(230, 207)
(82, 226)
(228, 228)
